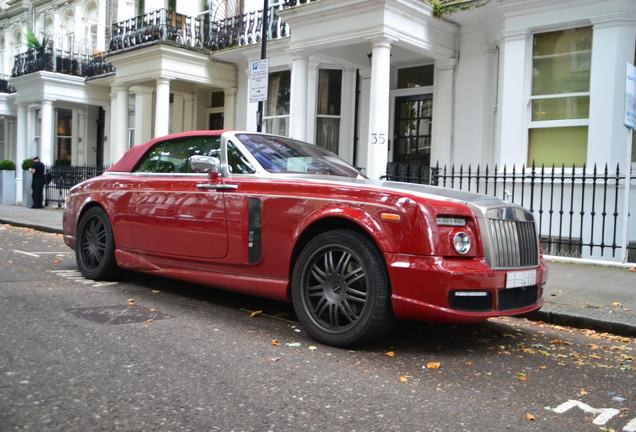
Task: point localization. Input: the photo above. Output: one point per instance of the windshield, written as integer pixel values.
(284, 155)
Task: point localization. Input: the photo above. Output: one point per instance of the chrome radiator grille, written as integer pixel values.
(514, 243)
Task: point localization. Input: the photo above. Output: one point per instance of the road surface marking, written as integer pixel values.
(631, 426)
(603, 415)
(76, 276)
(37, 254)
(26, 253)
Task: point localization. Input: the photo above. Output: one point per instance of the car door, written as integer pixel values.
(172, 215)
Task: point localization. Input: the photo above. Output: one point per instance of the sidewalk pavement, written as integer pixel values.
(579, 295)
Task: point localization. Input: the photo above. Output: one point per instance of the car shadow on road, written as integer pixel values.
(412, 336)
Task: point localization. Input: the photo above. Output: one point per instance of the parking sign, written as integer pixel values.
(259, 73)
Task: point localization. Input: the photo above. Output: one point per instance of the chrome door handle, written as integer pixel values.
(219, 186)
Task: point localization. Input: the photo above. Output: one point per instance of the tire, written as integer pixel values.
(95, 250)
(340, 289)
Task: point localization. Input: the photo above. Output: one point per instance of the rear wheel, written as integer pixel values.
(95, 250)
(340, 289)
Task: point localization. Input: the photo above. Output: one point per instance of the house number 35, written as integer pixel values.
(378, 138)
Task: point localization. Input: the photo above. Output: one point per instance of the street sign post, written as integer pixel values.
(264, 36)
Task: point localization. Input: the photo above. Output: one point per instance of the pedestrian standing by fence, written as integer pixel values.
(37, 185)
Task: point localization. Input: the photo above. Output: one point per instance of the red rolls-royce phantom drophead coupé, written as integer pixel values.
(278, 218)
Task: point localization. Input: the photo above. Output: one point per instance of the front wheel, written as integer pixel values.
(95, 250)
(340, 289)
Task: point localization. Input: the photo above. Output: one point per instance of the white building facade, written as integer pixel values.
(389, 85)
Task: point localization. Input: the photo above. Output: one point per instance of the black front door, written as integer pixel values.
(215, 121)
(412, 137)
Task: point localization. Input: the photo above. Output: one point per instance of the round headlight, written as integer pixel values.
(461, 241)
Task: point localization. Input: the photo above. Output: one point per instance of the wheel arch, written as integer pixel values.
(86, 207)
(324, 224)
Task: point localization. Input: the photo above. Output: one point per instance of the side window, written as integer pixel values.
(236, 160)
(174, 156)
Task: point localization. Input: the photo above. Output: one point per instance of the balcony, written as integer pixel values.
(201, 32)
(60, 61)
(156, 26)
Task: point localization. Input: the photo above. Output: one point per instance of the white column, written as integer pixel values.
(21, 147)
(363, 119)
(250, 107)
(112, 129)
(312, 90)
(230, 109)
(189, 117)
(442, 131)
(119, 127)
(607, 135)
(162, 107)
(378, 137)
(512, 126)
(298, 98)
(31, 145)
(143, 113)
(47, 145)
(7, 142)
(177, 112)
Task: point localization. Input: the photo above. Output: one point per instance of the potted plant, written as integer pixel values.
(44, 59)
(7, 182)
(27, 179)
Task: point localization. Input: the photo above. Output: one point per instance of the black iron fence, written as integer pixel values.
(63, 178)
(580, 211)
(60, 61)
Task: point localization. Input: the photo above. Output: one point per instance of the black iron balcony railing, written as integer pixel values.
(98, 65)
(60, 61)
(5, 86)
(245, 29)
(199, 32)
(159, 25)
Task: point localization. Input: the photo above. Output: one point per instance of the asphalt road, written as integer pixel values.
(154, 354)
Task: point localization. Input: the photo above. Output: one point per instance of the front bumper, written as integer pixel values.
(421, 287)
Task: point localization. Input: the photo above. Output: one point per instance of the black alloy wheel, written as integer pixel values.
(340, 289)
(95, 249)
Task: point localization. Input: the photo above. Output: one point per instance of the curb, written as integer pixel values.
(571, 320)
(32, 226)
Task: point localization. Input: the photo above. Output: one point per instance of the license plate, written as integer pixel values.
(521, 278)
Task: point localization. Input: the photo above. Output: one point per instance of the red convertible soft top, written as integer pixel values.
(131, 157)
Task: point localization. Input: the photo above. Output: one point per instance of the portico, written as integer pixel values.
(175, 96)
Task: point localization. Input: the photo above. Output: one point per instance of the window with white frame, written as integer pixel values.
(328, 110)
(276, 116)
(91, 27)
(68, 30)
(560, 98)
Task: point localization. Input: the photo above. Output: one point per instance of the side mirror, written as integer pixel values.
(205, 164)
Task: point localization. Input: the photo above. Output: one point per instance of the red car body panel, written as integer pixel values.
(167, 226)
